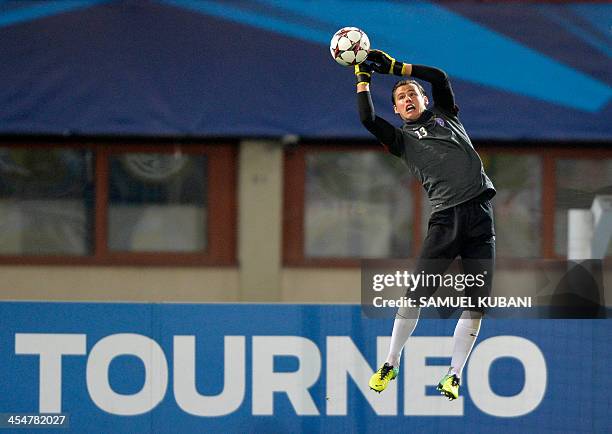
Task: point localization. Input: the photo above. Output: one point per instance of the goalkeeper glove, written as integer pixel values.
(385, 64)
(363, 71)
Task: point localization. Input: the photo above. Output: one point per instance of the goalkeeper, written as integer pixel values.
(435, 146)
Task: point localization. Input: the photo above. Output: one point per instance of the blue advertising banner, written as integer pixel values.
(166, 368)
(206, 68)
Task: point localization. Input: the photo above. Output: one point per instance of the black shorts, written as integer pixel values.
(465, 231)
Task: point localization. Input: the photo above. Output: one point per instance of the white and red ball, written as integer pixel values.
(349, 46)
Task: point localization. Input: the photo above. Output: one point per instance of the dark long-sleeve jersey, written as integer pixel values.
(435, 147)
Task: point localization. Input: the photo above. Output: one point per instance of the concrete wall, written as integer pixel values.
(260, 199)
(190, 284)
(82, 283)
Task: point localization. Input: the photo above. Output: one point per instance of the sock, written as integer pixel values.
(464, 337)
(403, 326)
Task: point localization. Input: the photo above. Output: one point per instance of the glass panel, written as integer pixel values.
(517, 205)
(46, 201)
(578, 181)
(157, 203)
(358, 204)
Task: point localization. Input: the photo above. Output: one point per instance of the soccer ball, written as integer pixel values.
(349, 46)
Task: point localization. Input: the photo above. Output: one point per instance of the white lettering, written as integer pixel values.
(50, 347)
(377, 285)
(344, 359)
(294, 384)
(418, 375)
(185, 392)
(156, 374)
(533, 363)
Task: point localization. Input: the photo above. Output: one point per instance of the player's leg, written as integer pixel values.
(478, 258)
(403, 326)
(439, 249)
(466, 332)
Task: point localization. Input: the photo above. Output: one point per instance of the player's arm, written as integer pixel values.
(386, 133)
(441, 89)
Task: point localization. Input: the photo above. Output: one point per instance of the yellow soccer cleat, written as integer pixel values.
(380, 380)
(449, 386)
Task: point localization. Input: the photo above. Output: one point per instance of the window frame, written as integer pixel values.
(221, 226)
(574, 154)
(294, 196)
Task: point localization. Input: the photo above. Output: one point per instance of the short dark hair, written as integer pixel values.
(404, 83)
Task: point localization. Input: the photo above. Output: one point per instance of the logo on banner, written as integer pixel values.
(343, 360)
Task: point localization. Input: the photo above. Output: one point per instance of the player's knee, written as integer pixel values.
(475, 313)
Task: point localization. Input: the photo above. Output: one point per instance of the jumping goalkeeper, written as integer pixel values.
(435, 146)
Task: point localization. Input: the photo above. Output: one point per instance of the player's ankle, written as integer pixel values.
(393, 361)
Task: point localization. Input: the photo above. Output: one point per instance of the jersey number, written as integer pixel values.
(421, 132)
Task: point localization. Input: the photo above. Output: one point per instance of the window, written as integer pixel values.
(357, 204)
(577, 182)
(517, 204)
(342, 204)
(46, 201)
(157, 202)
(346, 204)
(115, 204)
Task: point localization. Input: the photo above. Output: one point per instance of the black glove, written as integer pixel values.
(385, 64)
(363, 71)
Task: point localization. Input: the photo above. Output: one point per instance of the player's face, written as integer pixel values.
(409, 102)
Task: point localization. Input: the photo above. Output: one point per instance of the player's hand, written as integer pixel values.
(363, 71)
(385, 64)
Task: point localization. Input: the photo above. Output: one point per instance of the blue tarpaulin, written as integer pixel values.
(262, 68)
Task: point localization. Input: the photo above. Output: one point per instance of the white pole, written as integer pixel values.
(579, 234)
(602, 225)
